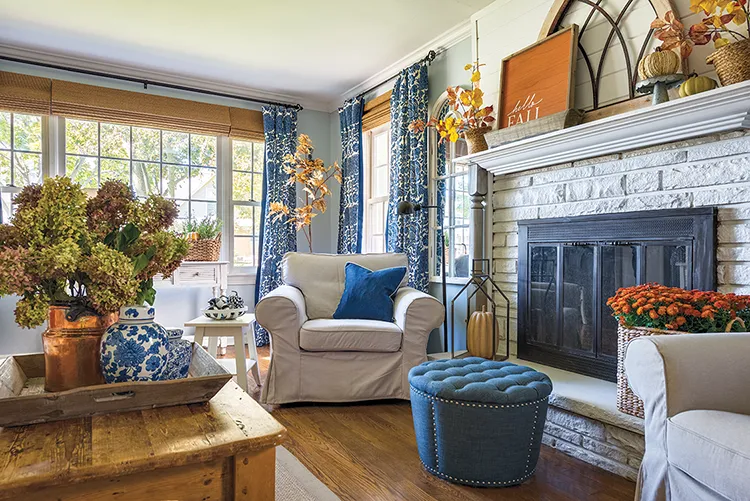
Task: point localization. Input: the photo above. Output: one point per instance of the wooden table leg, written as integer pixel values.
(198, 338)
(249, 335)
(213, 345)
(255, 476)
(239, 357)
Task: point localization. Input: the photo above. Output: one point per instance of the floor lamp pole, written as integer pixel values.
(444, 270)
(406, 208)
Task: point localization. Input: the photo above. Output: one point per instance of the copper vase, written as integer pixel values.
(71, 349)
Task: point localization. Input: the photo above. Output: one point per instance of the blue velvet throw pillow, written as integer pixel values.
(367, 294)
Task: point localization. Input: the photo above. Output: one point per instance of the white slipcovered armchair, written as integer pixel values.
(696, 392)
(315, 358)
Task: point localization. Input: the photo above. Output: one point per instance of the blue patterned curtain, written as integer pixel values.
(350, 210)
(409, 234)
(276, 237)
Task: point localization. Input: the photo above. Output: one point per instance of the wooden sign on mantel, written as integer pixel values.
(539, 80)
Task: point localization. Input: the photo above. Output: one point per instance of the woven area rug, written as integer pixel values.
(294, 482)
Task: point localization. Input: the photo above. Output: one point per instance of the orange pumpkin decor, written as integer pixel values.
(479, 334)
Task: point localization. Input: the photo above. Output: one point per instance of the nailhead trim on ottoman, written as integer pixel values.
(492, 440)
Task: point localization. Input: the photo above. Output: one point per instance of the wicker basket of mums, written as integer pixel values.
(653, 309)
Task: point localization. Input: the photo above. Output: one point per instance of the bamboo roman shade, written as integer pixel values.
(246, 124)
(24, 93)
(91, 102)
(42, 96)
(377, 112)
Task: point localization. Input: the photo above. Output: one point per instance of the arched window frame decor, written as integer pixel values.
(440, 175)
(553, 23)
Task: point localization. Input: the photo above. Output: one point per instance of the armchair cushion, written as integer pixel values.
(349, 335)
(320, 277)
(367, 293)
(713, 447)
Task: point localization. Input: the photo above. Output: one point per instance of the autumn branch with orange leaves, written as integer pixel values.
(313, 175)
(466, 110)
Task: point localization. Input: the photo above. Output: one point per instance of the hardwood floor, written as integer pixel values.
(367, 452)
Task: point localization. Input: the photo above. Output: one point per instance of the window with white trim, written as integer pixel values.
(449, 188)
(247, 193)
(178, 165)
(205, 175)
(377, 146)
(20, 156)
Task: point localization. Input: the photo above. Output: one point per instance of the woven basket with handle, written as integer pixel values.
(732, 62)
(205, 250)
(627, 401)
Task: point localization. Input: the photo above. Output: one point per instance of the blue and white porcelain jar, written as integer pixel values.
(135, 348)
(179, 357)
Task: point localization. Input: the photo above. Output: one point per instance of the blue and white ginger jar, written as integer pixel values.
(179, 357)
(135, 348)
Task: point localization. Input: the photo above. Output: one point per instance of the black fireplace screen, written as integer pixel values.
(568, 267)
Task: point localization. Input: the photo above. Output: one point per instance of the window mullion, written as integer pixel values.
(224, 209)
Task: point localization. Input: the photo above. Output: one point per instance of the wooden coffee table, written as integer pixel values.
(221, 450)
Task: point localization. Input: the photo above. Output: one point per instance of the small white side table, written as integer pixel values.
(214, 329)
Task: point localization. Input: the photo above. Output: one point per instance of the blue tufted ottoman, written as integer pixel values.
(479, 422)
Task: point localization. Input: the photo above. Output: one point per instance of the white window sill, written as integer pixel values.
(450, 280)
(245, 277)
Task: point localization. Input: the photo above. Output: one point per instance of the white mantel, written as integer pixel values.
(719, 110)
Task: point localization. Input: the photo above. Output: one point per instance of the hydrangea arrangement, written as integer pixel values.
(92, 255)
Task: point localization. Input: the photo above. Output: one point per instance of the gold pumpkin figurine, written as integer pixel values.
(479, 341)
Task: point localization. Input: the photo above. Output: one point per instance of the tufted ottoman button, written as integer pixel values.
(479, 422)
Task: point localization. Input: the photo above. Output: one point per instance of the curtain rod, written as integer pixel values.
(146, 83)
(429, 58)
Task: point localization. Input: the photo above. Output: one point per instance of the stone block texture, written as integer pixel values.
(708, 171)
(604, 445)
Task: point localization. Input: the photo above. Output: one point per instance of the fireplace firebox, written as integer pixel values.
(568, 267)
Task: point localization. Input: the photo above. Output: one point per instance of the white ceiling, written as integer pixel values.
(308, 50)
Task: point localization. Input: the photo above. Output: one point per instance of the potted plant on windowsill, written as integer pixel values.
(653, 309)
(723, 24)
(313, 175)
(466, 115)
(205, 239)
(76, 262)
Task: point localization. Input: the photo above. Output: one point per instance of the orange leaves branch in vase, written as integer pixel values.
(723, 19)
(313, 175)
(466, 110)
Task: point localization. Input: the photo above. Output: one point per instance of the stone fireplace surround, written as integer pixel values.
(690, 152)
(713, 170)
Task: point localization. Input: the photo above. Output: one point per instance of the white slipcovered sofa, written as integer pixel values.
(696, 391)
(315, 358)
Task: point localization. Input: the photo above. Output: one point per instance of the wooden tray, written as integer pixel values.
(23, 399)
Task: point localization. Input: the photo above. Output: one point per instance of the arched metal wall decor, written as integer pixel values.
(615, 17)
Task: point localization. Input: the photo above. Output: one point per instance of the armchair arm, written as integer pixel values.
(673, 374)
(416, 314)
(282, 312)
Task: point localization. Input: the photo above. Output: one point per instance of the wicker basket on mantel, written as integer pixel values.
(627, 401)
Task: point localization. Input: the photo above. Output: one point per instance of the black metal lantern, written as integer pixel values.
(480, 276)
